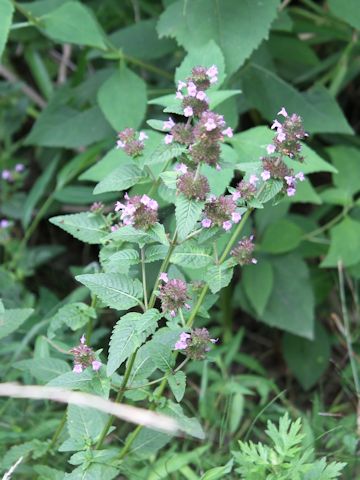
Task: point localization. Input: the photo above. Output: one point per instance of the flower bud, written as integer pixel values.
(242, 253)
(193, 188)
(195, 344)
(84, 357)
(173, 295)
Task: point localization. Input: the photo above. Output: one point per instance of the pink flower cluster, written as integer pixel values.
(139, 211)
(84, 357)
(220, 211)
(192, 186)
(11, 175)
(173, 294)
(243, 251)
(195, 344)
(131, 142)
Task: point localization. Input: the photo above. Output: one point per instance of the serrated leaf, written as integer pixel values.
(72, 380)
(115, 290)
(84, 423)
(187, 214)
(290, 238)
(163, 153)
(191, 255)
(120, 262)
(74, 315)
(154, 253)
(85, 226)
(12, 319)
(128, 234)
(218, 277)
(162, 356)
(177, 383)
(128, 334)
(158, 234)
(191, 426)
(169, 178)
(120, 179)
(43, 370)
(269, 190)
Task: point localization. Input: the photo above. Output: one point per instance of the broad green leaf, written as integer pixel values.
(177, 383)
(187, 214)
(244, 23)
(191, 426)
(121, 261)
(291, 303)
(305, 193)
(218, 276)
(268, 93)
(128, 334)
(162, 356)
(43, 370)
(72, 380)
(73, 22)
(38, 190)
(120, 179)
(170, 463)
(251, 146)
(148, 442)
(218, 473)
(6, 12)
(12, 319)
(161, 152)
(122, 99)
(190, 255)
(154, 253)
(74, 315)
(347, 11)
(85, 226)
(22, 450)
(129, 234)
(335, 196)
(113, 159)
(170, 179)
(281, 236)
(115, 290)
(345, 244)
(316, 352)
(268, 191)
(347, 162)
(207, 55)
(62, 126)
(84, 423)
(258, 281)
(48, 473)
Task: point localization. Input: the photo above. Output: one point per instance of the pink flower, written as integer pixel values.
(281, 136)
(143, 136)
(188, 112)
(172, 313)
(236, 217)
(289, 180)
(120, 144)
(236, 195)
(253, 180)
(270, 149)
(179, 95)
(191, 89)
(164, 277)
(77, 368)
(291, 191)
(218, 168)
(119, 206)
(19, 167)
(145, 200)
(4, 223)
(6, 175)
(206, 223)
(265, 175)
(227, 225)
(276, 125)
(212, 71)
(201, 96)
(228, 132)
(83, 339)
(181, 85)
(181, 168)
(300, 176)
(210, 124)
(283, 112)
(153, 205)
(96, 365)
(254, 261)
(168, 124)
(181, 344)
(168, 139)
(113, 228)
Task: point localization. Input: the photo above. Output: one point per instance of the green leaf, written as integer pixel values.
(154, 253)
(177, 383)
(42, 369)
(6, 13)
(72, 380)
(122, 99)
(120, 262)
(115, 290)
(38, 190)
(347, 162)
(12, 319)
(73, 22)
(228, 23)
(128, 334)
(129, 234)
(74, 315)
(347, 11)
(281, 236)
(120, 179)
(218, 473)
(112, 160)
(207, 55)
(162, 153)
(191, 426)
(268, 93)
(190, 255)
(316, 352)
(162, 356)
(268, 191)
(291, 303)
(84, 423)
(170, 463)
(218, 276)
(85, 226)
(251, 146)
(187, 214)
(345, 244)
(258, 281)
(148, 442)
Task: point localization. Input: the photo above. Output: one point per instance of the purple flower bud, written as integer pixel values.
(181, 167)
(173, 295)
(193, 187)
(196, 344)
(243, 251)
(96, 365)
(228, 132)
(291, 191)
(131, 145)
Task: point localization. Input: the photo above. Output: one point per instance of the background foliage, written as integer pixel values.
(72, 75)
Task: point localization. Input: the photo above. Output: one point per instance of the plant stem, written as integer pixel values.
(57, 432)
(143, 272)
(327, 225)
